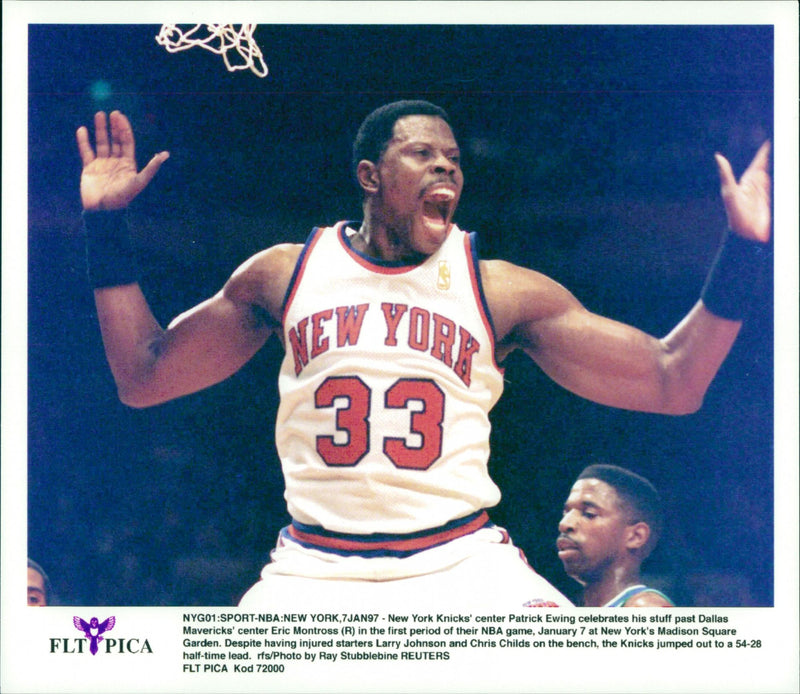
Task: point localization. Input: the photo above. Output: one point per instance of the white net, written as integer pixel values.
(236, 45)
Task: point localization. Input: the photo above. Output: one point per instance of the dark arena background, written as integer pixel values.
(588, 155)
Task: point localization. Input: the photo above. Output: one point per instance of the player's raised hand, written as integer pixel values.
(747, 203)
(110, 180)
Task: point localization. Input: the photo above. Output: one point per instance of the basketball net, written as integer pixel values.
(222, 39)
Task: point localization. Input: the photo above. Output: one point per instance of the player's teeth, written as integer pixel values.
(444, 194)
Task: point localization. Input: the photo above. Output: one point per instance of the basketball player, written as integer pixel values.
(611, 523)
(394, 335)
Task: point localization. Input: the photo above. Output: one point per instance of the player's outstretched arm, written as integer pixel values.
(201, 347)
(618, 365)
(601, 359)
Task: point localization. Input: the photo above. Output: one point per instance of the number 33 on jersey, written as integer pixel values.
(386, 386)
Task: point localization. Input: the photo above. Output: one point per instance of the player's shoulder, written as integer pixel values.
(264, 277)
(517, 295)
(649, 598)
(509, 277)
(278, 254)
(273, 262)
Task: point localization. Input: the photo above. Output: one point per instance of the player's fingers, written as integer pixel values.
(146, 174)
(116, 133)
(113, 122)
(125, 135)
(761, 160)
(726, 178)
(84, 148)
(101, 134)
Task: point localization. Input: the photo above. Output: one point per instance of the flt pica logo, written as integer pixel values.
(93, 630)
(93, 640)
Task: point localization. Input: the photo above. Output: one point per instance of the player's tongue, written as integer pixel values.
(434, 211)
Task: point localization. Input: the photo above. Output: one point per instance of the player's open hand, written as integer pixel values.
(747, 203)
(109, 180)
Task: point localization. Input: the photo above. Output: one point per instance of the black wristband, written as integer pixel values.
(734, 276)
(110, 259)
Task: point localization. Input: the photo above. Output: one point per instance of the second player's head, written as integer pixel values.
(612, 519)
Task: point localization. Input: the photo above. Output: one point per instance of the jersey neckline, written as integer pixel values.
(368, 261)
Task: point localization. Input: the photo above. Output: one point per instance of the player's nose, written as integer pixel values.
(444, 164)
(567, 523)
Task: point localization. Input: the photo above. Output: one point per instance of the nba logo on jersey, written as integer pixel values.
(443, 281)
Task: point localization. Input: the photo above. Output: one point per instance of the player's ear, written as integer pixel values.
(638, 535)
(367, 175)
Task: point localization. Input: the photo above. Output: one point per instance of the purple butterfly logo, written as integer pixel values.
(93, 629)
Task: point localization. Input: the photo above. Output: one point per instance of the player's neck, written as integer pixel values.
(379, 242)
(598, 593)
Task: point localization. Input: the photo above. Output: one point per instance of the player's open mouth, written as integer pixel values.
(437, 204)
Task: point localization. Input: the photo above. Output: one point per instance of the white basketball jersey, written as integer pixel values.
(386, 387)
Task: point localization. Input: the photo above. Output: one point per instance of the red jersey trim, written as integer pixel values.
(300, 268)
(480, 297)
(351, 544)
(383, 268)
